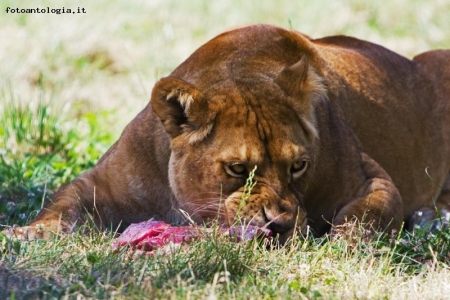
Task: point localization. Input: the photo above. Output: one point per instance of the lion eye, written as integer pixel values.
(236, 170)
(298, 167)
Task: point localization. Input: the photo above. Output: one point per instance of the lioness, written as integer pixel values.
(335, 128)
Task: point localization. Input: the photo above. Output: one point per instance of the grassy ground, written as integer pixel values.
(70, 83)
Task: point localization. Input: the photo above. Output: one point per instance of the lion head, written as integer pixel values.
(241, 119)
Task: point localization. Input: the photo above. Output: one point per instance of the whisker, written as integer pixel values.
(206, 209)
(213, 207)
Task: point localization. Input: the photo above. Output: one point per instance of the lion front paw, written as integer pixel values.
(37, 230)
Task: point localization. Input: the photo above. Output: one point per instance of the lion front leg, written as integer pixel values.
(377, 205)
(49, 222)
(61, 215)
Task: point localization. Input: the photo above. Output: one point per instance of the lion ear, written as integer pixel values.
(181, 108)
(294, 78)
(301, 82)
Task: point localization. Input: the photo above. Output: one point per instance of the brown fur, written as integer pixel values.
(367, 121)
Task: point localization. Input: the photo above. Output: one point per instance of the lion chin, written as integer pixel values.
(331, 129)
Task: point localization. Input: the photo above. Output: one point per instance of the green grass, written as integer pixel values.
(41, 149)
(216, 266)
(70, 83)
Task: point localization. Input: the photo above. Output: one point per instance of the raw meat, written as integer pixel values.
(150, 235)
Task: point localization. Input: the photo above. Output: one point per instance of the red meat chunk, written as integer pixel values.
(150, 235)
(176, 235)
(137, 232)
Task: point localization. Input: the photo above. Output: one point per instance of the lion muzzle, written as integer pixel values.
(265, 208)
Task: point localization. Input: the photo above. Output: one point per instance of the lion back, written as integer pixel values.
(435, 66)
